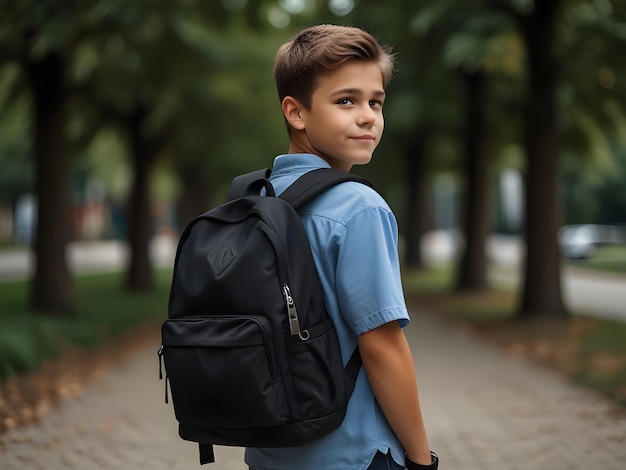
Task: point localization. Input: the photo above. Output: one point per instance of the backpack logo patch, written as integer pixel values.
(220, 259)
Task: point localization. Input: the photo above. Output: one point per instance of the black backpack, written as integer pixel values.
(250, 353)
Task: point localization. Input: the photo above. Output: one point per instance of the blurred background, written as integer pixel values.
(505, 138)
(504, 160)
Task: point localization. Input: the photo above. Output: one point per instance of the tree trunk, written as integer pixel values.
(52, 287)
(541, 293)
(196, 195)
(139, 276)
(472, 269)
(417, 200)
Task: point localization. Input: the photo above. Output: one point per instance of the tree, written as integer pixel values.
(594, 167)
(421, 110)
(234, 120)
(472, 42)
(417, 207)
(541, 291)
(34, 37)
(52, 289)
(469, 32)
(472, 269)
(15, 146)
(141, 66)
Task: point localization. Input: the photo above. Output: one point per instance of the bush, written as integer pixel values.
(105, 311)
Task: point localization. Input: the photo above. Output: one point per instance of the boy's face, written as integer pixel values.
(345, 121)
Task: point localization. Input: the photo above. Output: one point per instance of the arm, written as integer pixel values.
(389, 366)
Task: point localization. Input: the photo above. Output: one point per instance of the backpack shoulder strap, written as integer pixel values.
(354, 364)
(240, 184)
(315, 182)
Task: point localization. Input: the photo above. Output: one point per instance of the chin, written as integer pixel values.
(362, 161)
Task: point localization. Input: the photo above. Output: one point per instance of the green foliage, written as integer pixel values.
(434, 280)
(202, 70)
(593, 97)
(605, 258)
(594, 193)
(106, 311)
(610, 384)
(609, 335)
(604, 372)
(15, 145)
(105, 159)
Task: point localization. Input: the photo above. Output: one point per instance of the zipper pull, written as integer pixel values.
(294, 323)
(160, 354)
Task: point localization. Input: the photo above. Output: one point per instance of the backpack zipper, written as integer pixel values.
(271, 360)
(294, 322)
(283, 275)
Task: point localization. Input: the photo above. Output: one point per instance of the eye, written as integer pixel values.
(344, 101)
(376, 103)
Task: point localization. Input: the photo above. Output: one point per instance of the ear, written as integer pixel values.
(291, 110)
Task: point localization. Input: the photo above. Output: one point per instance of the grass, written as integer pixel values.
(603, 348)
(106, 311)
(604, 258)
(590, 351)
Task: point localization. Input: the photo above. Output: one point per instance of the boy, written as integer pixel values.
(331, 81)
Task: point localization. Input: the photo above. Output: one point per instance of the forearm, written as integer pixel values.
(389, 366)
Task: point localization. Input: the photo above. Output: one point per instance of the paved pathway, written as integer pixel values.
(484, 411)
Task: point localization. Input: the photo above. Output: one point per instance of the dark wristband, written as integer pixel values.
(410, 465)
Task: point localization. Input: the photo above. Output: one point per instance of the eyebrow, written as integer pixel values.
(355, 91)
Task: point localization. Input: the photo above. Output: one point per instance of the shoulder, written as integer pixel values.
(359, 193)
(344, 202)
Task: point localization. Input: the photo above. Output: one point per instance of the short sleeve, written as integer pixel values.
(369, 288)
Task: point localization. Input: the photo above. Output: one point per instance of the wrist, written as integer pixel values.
(410, 465)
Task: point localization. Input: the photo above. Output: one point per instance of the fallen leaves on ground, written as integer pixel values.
(27, 398)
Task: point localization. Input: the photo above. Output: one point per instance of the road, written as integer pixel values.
(85, 257)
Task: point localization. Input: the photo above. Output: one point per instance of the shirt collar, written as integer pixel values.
(286, 163)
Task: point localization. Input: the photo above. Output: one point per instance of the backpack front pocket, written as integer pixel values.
(222, 372)
(321, 384)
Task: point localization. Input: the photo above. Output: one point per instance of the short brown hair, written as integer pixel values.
(323, 48)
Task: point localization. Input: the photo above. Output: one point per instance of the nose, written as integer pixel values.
(367, 116)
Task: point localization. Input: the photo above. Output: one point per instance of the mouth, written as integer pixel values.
(365, 138)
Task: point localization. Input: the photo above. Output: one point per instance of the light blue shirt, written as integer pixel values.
(354, 239)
